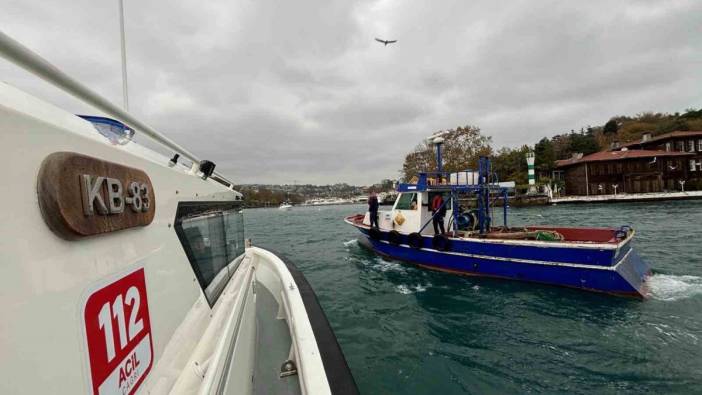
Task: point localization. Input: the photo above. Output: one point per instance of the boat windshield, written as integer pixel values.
(407, 201)
(115, 131)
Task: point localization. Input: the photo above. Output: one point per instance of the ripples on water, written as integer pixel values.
(409, 330)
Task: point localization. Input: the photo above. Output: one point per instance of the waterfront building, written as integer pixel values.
(668, 162)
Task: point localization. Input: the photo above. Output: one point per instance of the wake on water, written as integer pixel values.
(376, 262)
(668, 287)
(410, 289)
(351, 242)
(385, 266)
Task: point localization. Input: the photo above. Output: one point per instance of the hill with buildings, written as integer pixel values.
(618, 130)
(465, 144)
(263, 195)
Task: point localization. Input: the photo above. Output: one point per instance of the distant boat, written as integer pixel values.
(286, 206)
(327, 202)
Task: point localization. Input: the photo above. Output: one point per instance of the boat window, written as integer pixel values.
(405, 201)
(234, 227)
(212, 236)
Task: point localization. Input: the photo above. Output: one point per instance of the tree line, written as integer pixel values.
(265, 197)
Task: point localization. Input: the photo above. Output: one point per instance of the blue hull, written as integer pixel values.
(617, 271)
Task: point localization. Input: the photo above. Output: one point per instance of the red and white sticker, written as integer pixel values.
(118, 335)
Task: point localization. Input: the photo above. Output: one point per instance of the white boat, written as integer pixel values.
(125, 271)
(285, 206)
(327, 202)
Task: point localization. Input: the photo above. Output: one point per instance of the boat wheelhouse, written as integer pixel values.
(594, 259)
(124, 270)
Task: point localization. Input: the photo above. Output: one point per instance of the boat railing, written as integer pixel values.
(467, 179)
(461, 181)
(25, 58)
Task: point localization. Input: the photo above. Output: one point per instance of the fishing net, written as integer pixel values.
(548, 235)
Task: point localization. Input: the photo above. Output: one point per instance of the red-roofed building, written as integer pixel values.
(625, 171)
(650, 164)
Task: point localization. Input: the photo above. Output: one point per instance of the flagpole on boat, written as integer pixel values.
(124, 56)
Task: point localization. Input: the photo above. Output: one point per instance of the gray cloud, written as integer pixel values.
(283, 91)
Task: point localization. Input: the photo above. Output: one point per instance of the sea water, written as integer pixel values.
(406, 330)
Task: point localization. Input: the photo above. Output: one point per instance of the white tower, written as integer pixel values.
(530, 167)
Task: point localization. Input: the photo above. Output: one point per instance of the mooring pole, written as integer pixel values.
(454, 208)
(504, 206)
(482, 202)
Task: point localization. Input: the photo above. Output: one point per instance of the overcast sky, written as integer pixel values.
(278, 91)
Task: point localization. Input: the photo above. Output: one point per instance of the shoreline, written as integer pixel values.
(628, 197)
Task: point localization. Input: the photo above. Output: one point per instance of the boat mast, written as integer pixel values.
(124, 56)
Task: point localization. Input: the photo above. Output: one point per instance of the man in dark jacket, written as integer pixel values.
(437, 205)
(373, 209)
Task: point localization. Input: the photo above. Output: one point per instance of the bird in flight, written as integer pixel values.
(386, 42)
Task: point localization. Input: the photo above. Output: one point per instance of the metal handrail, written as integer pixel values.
(22, 56)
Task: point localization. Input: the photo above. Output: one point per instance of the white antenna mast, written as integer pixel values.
(124, 56)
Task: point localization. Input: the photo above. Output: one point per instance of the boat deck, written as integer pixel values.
(273, 344)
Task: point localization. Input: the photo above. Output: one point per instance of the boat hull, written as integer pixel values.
(623, 273)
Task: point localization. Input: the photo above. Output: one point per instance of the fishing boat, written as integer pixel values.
(593, 259)
(124, 270)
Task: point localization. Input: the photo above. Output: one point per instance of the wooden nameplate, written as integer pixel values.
(81, 196)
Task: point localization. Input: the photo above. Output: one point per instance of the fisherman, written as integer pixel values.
(438, 210)
(373, 209)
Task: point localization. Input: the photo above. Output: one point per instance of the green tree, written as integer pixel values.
(510, 164)
(582, 143)
(692, 113)
(611, 127)
(671, 125)
(561, 146)
(545, 156)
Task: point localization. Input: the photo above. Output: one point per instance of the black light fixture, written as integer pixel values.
(207, 168)
(174, 160)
